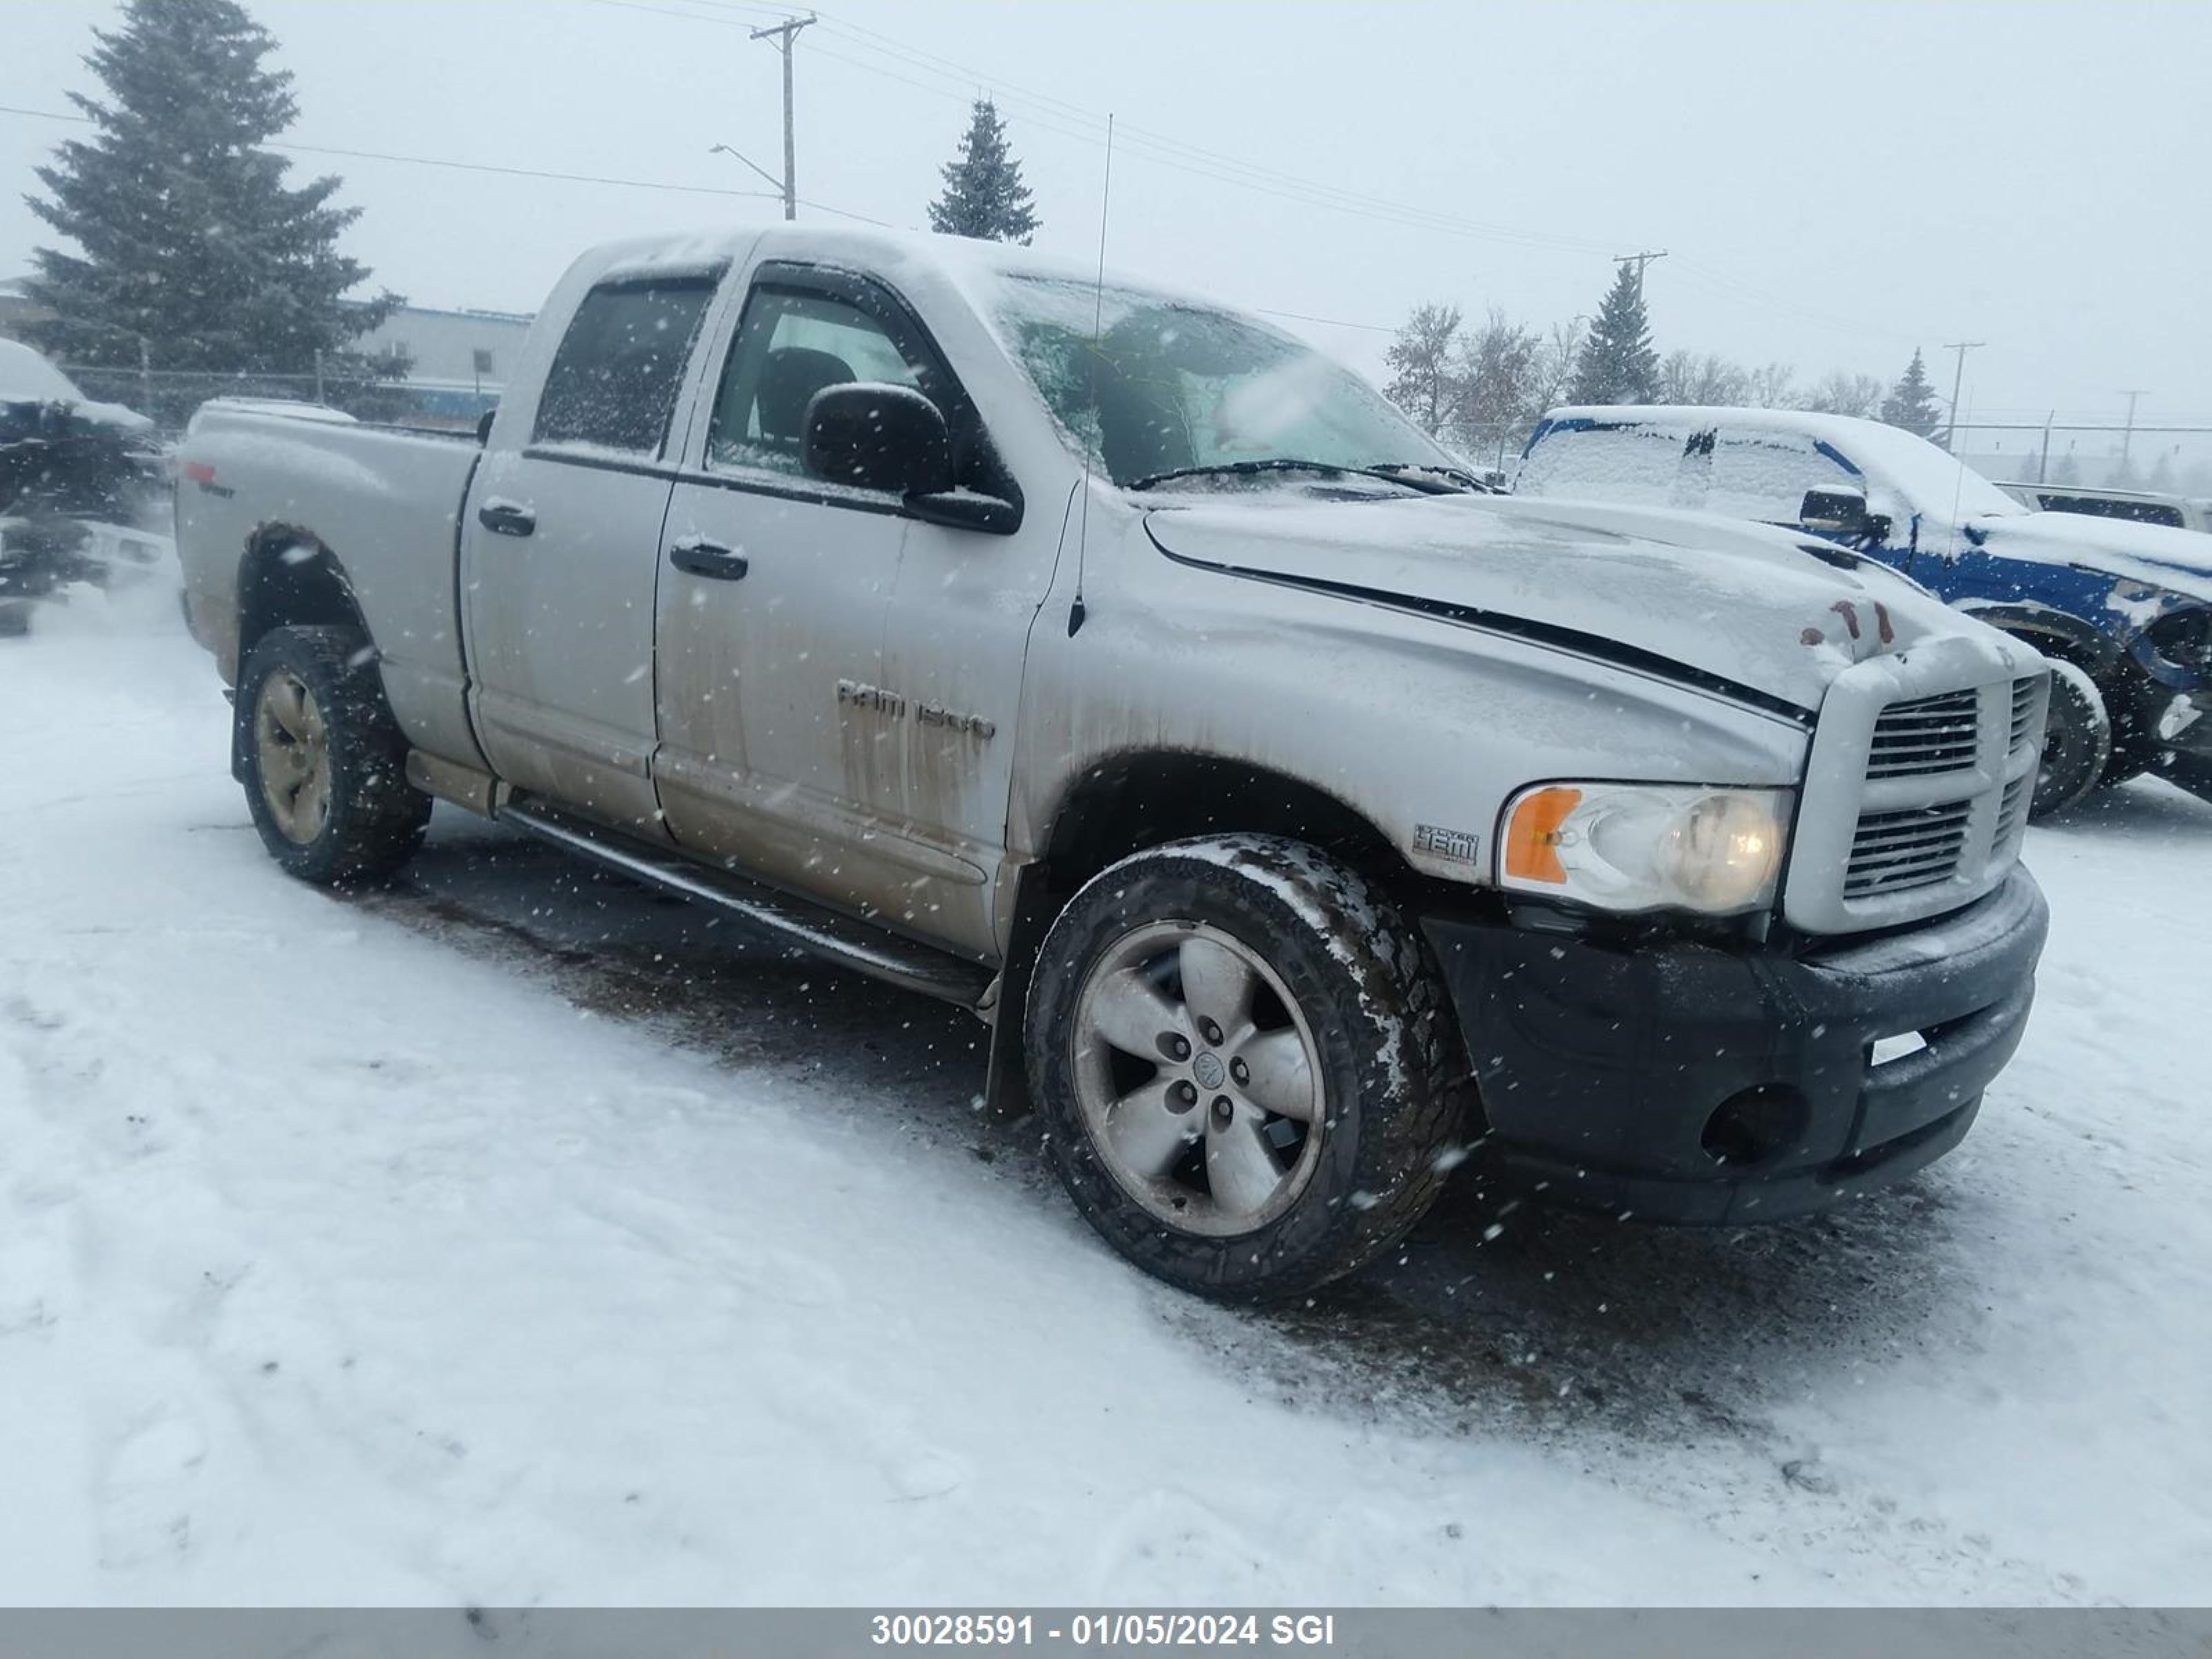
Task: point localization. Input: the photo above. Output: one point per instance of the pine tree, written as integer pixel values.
(192, 250)
(984, 196)
(1618, 364)
(1912, 403)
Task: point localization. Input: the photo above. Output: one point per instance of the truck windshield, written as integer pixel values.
(1149, 386)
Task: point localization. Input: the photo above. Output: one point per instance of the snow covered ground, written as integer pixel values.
(516, 1237)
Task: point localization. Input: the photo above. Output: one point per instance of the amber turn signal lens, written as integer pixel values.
(1532, 835)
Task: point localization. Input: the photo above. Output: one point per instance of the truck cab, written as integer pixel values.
(2125, 604)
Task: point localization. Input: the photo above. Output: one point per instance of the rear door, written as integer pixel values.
(561, 553)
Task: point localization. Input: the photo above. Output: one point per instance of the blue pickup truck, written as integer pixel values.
(2127, 605)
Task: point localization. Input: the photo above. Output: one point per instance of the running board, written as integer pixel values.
(865, 948)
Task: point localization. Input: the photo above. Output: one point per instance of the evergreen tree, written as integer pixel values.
(1618, 364)
(191, 249)
(1912, 403)
(984, 196)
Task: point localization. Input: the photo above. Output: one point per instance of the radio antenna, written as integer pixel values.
(1075, 612)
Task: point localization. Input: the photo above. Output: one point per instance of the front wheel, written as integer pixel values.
(324, 762)
(2077, 741)
(1244, 1058)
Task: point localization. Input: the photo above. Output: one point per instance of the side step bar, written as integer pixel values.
(875, 951)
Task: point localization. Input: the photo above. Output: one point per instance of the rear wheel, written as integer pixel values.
(1242, 1054)
(2077, 741)
(323, 763)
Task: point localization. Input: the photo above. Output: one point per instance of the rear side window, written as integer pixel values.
(614, 381)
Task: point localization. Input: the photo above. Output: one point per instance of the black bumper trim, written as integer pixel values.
(1598, 1065)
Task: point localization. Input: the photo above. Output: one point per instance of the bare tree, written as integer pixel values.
(1843, 393)
(1771, 387)
(1685, 377)
(1421, 359)
(1555, 362)
(1497, 385)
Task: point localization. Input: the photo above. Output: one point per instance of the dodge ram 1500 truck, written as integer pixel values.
(1298, 812)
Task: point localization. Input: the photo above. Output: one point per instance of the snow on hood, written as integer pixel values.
(2157, 556)
(1742, 604)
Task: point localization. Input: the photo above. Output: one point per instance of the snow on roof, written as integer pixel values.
(1925, 475)
(956, 257)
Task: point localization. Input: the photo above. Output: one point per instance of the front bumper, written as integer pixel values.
(1690, 1083)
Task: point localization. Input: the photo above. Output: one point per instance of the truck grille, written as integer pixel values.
(1916, 791)
(1917, 847)
(1927, 734)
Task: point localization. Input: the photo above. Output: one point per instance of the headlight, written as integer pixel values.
(1646, 845)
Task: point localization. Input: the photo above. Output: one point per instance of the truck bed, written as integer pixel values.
(301, 495)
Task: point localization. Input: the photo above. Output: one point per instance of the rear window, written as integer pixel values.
(614, 380)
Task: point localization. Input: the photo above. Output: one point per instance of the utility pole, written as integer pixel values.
(785, 33)
(1958, 377)
(1639, 260)
(2128, 437)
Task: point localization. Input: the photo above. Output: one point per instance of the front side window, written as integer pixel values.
(1146, 384)
(1764, 475)
(790, 345)
(614, 381)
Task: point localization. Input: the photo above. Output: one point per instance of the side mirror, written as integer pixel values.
(875, 437)
(1841, 512)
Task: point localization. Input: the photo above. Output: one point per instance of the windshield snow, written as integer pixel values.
(1144, 383)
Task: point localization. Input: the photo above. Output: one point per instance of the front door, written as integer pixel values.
(838, 679)
(560, 556)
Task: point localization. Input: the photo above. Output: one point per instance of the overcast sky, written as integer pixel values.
(1835, 184)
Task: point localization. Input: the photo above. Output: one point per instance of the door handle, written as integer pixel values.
(697, 556)
(504, 518)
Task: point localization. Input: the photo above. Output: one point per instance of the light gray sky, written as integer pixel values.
(1836, 183)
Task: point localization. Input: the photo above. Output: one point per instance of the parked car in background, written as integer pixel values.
(1111, 664)
(2127, 608)
(79, 482)
(2131, 506)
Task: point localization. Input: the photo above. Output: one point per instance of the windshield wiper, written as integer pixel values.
(1437, 480)
(1390, 474)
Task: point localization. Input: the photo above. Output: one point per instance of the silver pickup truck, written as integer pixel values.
(1298, 813)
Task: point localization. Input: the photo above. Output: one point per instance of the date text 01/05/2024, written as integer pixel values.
(1104, 1629)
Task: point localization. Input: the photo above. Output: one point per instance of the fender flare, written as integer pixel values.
(2078, 640)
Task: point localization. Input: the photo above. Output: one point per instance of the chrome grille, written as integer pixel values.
(1925, 735)
(1916, 848)
(1917, 789)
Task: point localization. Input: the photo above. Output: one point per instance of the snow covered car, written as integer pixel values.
(76, 478)
(1111, 664)
(2126, 607)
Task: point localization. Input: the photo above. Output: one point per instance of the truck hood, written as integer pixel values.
(1743, 610)
(2155, 555)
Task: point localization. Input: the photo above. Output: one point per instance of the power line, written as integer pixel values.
(499, 170)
